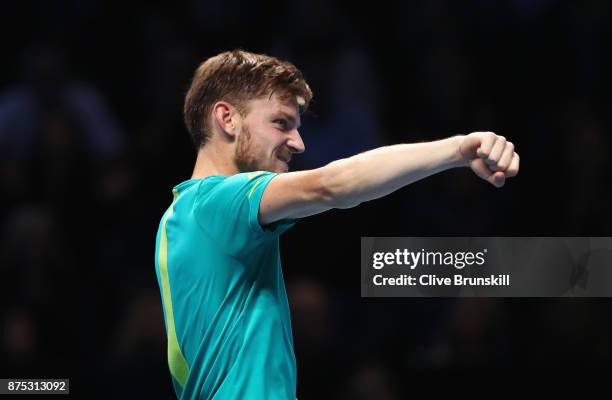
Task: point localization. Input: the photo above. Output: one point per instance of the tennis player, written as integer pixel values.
(217, 250)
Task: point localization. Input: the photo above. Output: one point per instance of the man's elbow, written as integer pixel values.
(333, 189)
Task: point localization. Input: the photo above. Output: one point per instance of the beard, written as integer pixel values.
(249, 157)
(244, 157)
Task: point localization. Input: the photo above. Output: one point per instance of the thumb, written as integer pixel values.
(470, 146)
(480, 168)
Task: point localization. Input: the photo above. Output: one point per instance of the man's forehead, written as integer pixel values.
(288, 110)
(275, 105)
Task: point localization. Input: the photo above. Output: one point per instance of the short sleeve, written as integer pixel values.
(256, 191)
(229, 209)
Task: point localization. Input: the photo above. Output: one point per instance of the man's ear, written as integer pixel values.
(225, 117)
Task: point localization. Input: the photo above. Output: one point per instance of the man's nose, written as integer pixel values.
(295, 143)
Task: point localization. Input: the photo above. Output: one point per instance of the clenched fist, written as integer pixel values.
(490, 156)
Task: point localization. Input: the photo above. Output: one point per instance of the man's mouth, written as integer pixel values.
(284, 158)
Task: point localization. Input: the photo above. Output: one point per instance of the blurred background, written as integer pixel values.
(92, 141)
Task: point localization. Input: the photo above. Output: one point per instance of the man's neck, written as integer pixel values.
(211, 161)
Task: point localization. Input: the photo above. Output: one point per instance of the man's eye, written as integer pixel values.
(282, 123)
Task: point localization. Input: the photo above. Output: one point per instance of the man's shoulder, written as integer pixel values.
(239, 184)
(218, 190)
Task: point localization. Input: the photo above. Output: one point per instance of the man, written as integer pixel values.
(217, 256)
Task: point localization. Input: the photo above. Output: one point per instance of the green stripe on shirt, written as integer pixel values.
(176, 361)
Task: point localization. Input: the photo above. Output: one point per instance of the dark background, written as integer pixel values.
(92, 141)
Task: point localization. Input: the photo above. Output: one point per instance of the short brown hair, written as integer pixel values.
(236, 77)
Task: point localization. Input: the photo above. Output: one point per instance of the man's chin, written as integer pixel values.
(275, 165)
(283, 167)
(278, 168)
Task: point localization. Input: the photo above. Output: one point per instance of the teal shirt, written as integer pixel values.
(224, 300)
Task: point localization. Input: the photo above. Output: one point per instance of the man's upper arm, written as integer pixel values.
(294, 195)
(228, 211)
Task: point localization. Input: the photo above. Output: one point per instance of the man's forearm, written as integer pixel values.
(381, 171)
(376, 173)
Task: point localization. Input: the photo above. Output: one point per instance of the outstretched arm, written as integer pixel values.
(348, 182)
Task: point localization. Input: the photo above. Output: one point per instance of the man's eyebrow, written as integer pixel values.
(289, 117)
